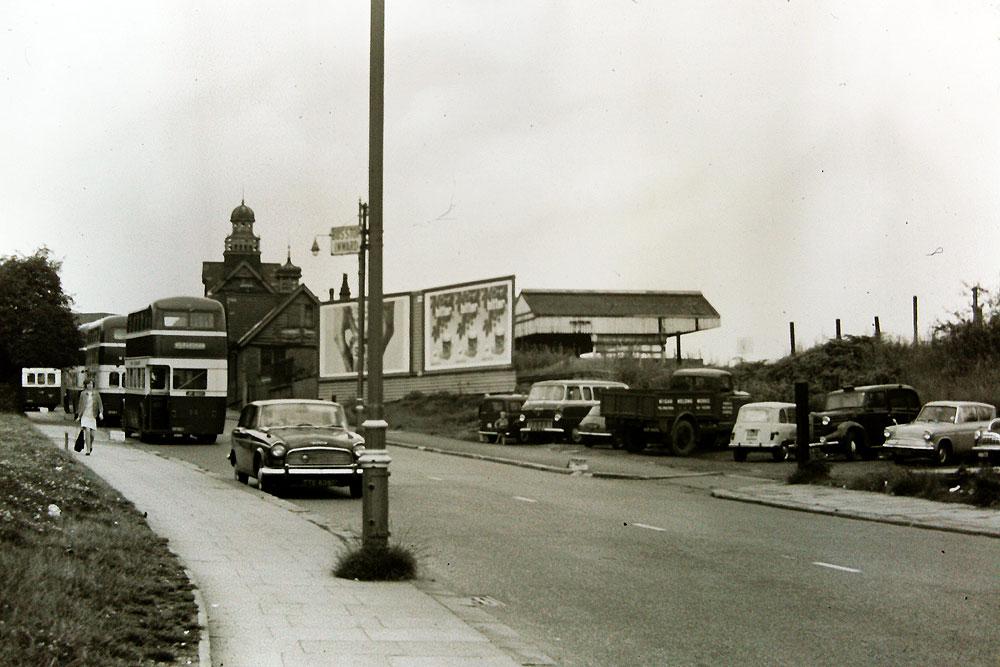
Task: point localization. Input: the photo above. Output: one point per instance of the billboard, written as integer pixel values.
(339, 339)
(469, 326)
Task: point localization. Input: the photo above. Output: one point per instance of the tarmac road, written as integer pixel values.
(606, 571)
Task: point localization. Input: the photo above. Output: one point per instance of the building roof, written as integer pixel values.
(248, 337)
(242, 213)
(571, 303)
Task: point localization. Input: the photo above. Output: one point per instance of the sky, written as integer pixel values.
(793, 161)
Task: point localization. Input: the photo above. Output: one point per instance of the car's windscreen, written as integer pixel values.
(755, 415)
(546, 392)
(301, 414)
(847, 399)
(937, 413)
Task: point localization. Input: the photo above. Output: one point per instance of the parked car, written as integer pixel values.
(944, 431)
(290, 440)
(592, 428)
(987, 443)
(555, 407)
(854, 419)
(764, 427)
(498, 418)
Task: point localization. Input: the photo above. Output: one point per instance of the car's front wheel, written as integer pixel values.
(852, 449)
(943, 454)
(357, 487)
(780, 453)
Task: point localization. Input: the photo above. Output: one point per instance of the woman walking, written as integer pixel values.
(89, 409)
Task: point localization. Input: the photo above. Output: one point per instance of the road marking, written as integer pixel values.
(525, 500)
(837, 567)
(436, 479)
(648, 527)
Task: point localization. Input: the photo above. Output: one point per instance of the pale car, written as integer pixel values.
(944, 431)
(283, 441)
(988, 443)
(593, 429)
(764, 427)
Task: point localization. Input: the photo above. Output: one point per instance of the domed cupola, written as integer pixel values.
(242, 241)
(242, 213)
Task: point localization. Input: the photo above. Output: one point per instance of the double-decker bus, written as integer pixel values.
(40, 388)
(103, 361)
(175, 369)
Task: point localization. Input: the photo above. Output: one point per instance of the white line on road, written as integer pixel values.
(525, 500)
(648, 527)
(837, 567)
(436, 479)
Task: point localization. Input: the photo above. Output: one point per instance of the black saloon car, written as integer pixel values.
(498, 418)
(288, 440)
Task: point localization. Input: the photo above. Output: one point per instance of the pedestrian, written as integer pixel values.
(89, 409)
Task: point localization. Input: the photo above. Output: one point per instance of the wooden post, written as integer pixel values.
(802, 426)
(878, 329)
(791, 337)
(915, 338)
(678, 350)
(838, 328)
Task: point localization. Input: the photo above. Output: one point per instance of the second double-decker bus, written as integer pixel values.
(103, 361)
(175, 369)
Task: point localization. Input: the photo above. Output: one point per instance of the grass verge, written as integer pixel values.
(980, 488)
(447, 415)
(83, 579)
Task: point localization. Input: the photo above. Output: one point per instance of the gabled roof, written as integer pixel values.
(273, 313)
(232, 274)
(585, 303)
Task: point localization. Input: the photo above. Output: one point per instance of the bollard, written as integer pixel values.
(65, 440)
(375, 498)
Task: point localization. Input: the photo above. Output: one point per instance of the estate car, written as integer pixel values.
(854, 419)
(290, 440)
(944, 431)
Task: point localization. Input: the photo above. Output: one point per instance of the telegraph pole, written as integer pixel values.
(362, 253)
(375, 461)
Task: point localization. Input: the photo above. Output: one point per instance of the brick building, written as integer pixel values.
(271, 318)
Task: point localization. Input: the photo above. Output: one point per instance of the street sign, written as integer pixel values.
(345, 240)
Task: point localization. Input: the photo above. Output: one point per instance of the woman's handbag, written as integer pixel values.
(79, 442)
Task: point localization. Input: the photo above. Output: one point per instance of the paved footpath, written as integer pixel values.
(264, 572)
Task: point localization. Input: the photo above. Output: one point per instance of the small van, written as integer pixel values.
(555, 407)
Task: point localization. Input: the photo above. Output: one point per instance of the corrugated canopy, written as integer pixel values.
(573, 303)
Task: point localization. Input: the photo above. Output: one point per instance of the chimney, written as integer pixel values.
(345, 290)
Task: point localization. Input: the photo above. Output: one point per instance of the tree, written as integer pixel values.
(37, 327)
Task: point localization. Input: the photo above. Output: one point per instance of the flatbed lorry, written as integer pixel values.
(698, 408)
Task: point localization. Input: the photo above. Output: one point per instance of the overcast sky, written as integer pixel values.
(794, 161)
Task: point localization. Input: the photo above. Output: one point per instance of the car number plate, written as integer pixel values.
(751, 435)
(538, 425)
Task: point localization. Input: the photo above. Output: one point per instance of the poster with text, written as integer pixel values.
(470, 326)
(339, 338)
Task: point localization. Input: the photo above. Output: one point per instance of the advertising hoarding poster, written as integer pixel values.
(469, 326)
(339, 339)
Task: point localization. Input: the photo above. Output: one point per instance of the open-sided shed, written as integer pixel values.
(610, 323)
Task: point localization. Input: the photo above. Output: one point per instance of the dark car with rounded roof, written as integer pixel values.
(284, 441)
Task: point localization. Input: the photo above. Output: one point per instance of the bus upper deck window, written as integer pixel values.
(202, 320)
(175, 320)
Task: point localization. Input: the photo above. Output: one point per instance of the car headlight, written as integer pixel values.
(359, 448)
(978, 435)
(927, 436)
(522, 418)
(825, 421)
(886, 433)
(557, 416)
(279, 451)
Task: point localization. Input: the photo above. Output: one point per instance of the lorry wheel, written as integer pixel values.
(683, 439)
